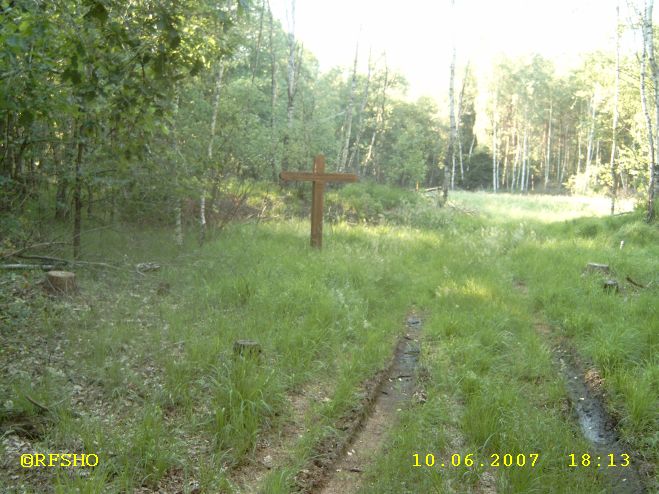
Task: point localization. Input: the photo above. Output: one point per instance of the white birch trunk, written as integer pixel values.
(178, 233)
(494, 146)
(450, 155)
(654, 70)
(525, 162)
(579, 152)
(648, 53)
(379, 122)
(612, 164)
(504, 174)
(548, 152)
(211, 142)
(458, 133)
(471, 150)
(292, 76)
(273, 96)
(360, 128)
(216, 108)
(347, 126)
(591, 138)
(516, 161)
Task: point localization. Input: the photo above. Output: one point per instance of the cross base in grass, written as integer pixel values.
(319, 178)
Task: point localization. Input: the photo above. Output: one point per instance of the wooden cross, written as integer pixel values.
(318, 177)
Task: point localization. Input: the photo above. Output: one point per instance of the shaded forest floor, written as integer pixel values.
(139, 368)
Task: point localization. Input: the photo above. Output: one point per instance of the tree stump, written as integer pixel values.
(61, 282)
(594, 266)
(611, 286)
(246, 348)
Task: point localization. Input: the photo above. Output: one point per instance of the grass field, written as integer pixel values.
(139, 369)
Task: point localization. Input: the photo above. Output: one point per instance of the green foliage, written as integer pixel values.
(369, 201)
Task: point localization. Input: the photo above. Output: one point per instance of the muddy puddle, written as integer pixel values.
(596, 424)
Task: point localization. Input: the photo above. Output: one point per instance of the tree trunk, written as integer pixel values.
(548, 152)
(347, 125)
(516, 161)
(211, 141)
(458, 133)
(648, 53)
(60, 198)
(178, 234)
(273, 97)
(504, 175)
(450, 154)
(202, 217)
(566, 160)
(292, 75)
(471, 150)
(615, 114)
(259, 39)
(591, 138)
(525, 162)
(90, 200)
(360, 128)
(216, 107)
(77, 199)
(379, 122)
(579, 152)
(494, 146)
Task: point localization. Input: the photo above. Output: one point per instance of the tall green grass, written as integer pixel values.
(166, 402)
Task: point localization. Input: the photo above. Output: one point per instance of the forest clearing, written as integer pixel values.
(140, 368)
(302, 246)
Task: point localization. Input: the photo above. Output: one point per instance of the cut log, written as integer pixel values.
(611, 286)
(593, 266)
(246, 348)
(61, 282)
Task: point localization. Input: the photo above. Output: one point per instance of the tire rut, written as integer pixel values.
(397, 388)
(588, 409)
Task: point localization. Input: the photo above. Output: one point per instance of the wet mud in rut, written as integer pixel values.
(596, 424)
(391, 392)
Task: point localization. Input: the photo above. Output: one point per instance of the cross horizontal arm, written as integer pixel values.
(319, 177)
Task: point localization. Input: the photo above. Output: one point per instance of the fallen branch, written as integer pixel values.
(45, 267)
(50, 267)
(44, 258)
(90, 263)
(17, 253)
(37, 404)
(634, 282)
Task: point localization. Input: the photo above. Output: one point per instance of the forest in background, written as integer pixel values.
(133, 110)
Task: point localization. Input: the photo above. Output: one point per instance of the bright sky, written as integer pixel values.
(416, 34)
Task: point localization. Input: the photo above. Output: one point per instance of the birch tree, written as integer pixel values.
(614, 128)
(450, 153)
(591, 138)
(342, 160)
(548, 152)
(380, 117)
(648, 57)
(459, 122)
(273, 94)
(292, 78)
(360, 115)
(495, 117)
